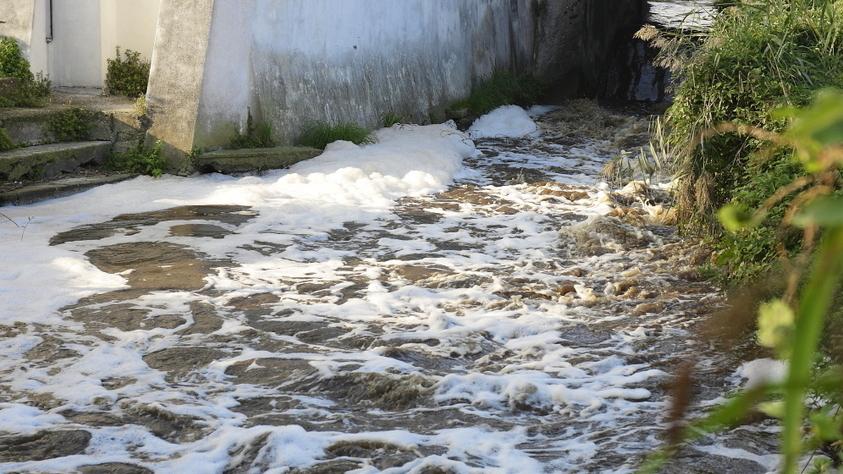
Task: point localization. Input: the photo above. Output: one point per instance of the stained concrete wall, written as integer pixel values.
(84, 33)
(74, 53)
(127, 25)
(294, 61)
(290, 62)
(18, 17)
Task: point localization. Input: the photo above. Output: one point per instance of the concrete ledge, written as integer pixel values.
(54, 189)
(49, 161)
(253, 159)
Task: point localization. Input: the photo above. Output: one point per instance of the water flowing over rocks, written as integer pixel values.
(522, 317)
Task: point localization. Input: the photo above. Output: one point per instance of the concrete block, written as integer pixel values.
(253, 159)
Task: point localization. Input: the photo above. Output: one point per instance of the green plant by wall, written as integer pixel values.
(6, 143)
(256, 136)
(127, 74)
(502, 88)
(12, 61)
(795, 326)
(25, 89)
(758, 57)
(140, 160)
(391, 119)
(71, 125)
(140, 106)
(321, 134)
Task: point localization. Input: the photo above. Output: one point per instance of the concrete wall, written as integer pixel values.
(85, 34)
(295, 61)
(177, 72)
(75, 50)
(128, 25)
(290, 62)
(17, 16)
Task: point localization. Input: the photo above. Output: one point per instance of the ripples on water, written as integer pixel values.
(525, 319)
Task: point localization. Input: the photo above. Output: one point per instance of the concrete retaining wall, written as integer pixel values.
(290, 62)
(72, 43)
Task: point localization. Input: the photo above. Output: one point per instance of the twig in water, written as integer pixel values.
(22, 227)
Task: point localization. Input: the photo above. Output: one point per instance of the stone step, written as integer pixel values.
(58, 188)
(248, 160)
(34, 126)
(50, 161)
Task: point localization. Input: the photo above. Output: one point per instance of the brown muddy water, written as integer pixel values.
(526, 319)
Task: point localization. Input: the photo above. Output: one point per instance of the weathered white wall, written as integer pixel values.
(85, 35)
(17, 16)
(39, 59)
(75, 50)
(129, 24)
(295, 61)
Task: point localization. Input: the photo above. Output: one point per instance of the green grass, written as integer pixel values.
(71, 125)
(140, 160)
(760, 56)
(502, 88)
(390, 119)
(29, 90)
(127, 74)
(6, 142)
(256, 136)
(796, 326)
(320, 134)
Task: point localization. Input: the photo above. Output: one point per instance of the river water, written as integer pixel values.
(429, 303)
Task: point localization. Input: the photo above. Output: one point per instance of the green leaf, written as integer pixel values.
(826, 426)
(773, 409)
(824, 212)
(734, 218)
(775, 325)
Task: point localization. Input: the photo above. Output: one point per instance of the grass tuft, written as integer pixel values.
(502, 88)
(321, 134)
(759, 57)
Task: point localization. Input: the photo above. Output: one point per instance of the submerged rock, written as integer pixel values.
(43, 445)
(601, 235)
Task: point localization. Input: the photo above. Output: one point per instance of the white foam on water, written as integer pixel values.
(510, 121)
(507, 365)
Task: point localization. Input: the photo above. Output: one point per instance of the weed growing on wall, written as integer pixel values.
(758, 57)
(256, 136)
(6, 143)
(127, 74)
(71, 125)
(391, 119)
(321, 134)
(502, 88)
(140, 160)
(19, 88)
(795, 325)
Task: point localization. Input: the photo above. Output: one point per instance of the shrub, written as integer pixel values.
(71, 125)
(127, 74)
(757, 58)
(502, 88)
(140, 160)
(320, 134)
(12, 62)
(6, 143)
(25, 89)
(798, 326)
(391, 119)
(256, 136)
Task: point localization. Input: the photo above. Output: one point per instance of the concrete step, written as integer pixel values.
(50, 161)
(253, 159)
(57, 188)
(32, 126)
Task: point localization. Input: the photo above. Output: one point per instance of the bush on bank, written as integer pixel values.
(759, 56)
(20, 87)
